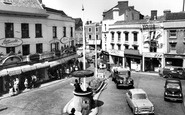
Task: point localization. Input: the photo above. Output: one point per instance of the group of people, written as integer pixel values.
(16, 85)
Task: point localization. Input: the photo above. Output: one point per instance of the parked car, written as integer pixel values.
(172, 72)
(138, 101)
(173, 90)
(123, 79)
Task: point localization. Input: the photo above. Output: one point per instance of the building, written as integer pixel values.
(79, 32)
(93, 31)
(34, 39)
(113, 33)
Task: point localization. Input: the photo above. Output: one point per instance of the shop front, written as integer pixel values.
(174, 60)
(133, 59)
(152, 61)
(116, 57)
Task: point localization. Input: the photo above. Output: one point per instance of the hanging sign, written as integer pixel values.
(10, 42)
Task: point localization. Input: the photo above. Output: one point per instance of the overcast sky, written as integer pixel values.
(95, 8)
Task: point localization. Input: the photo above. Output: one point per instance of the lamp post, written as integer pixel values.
(95, 52)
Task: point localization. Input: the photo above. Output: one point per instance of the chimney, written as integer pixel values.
(115, 13)
(122, 4)
(166, 11)
(153, 15)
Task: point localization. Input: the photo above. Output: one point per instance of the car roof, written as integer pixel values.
(173, 80)
(136, 91)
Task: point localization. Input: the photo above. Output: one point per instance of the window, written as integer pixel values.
(119, 47)
(54, 32)
(112, 33)
(112, 46)
(9, 30)
(172, 33)
(119, 36)
(153, 46)
(90, 29)
(97, 37)
(135, 36)
(172, 46)
(135, 47)
(64, 31)
(126, 36)
(71, 31)
(126, 46)
(25, 49)
(25, 30)
(90, 37)
(10, 49)
(105, 27)
(38, 30)
(39, 48)
(96, 29)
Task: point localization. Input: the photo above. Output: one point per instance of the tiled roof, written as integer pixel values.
(54, 10)
(22, 3)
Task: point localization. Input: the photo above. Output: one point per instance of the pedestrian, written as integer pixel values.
(34, 80)
(11, 87)
(72, 111)
(77, 86)
(16, 85)
(26, 83)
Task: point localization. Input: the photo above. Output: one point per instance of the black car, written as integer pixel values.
(173, 90)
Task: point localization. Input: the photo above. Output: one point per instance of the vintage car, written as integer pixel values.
(123, 78)
(172, 72)
(138, 101)
(173, 90)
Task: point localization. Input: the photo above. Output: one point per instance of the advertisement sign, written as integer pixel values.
(66, 40)
(10, 42)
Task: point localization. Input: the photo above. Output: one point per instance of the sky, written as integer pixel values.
(93, 9)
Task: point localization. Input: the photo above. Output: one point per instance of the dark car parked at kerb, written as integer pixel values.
(172, 72)
(173, 90)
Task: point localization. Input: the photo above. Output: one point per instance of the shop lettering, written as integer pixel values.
(148, 26)
(10, 42)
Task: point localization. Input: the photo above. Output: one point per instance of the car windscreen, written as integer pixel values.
(139, 96)
(173, 85)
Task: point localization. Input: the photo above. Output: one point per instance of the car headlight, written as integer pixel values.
(180, 95)
(136, 109)
(166, 93)
(152, 108)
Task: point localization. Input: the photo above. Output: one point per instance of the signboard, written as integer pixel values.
(10, 42)
(66, 40)
(153, 55)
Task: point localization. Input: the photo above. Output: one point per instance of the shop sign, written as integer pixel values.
(116, 52)
(65, 40)
(34, 57)
(148, 26)
(153, 55)
(10, 42)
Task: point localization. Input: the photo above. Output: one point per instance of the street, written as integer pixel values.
(50, 100)
(114, 102)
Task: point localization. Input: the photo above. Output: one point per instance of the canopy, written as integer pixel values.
(42, 65)
(26, 68)
(14, 71)
(3, 72)
(82, 73)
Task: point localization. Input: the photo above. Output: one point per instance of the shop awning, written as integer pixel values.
(14, 71)
(27, 68)
(41, 65)
(3, 72)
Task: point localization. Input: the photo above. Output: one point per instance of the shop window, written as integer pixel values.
(38, 30)
(25, 30)
(64, 31)
(172, 33)
(39, 48)
(54, 32)
(9, 30)
(25, 49)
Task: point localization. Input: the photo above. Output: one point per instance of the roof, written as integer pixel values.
(54, 10)
(136, 91)
(175, 16)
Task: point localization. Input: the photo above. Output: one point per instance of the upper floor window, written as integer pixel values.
(64, 31)
(25, 49)
(25, 30)
(172, 33)
(90, 29)
(38, 30)
(112, 46)
(172, 46)
(119, 46)
(54, 32)
(90, 37)
(119, 36)
(71, 31)
(9, 30)
(10, 49)
(126, 36)
(97, 37)
(135, 47)
(135, 36)
(112, 34)
(126, 46)
(97, 29)
(105, 27)
(39, 48)
(153, 46)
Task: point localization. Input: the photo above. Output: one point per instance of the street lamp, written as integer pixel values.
(95, 52)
